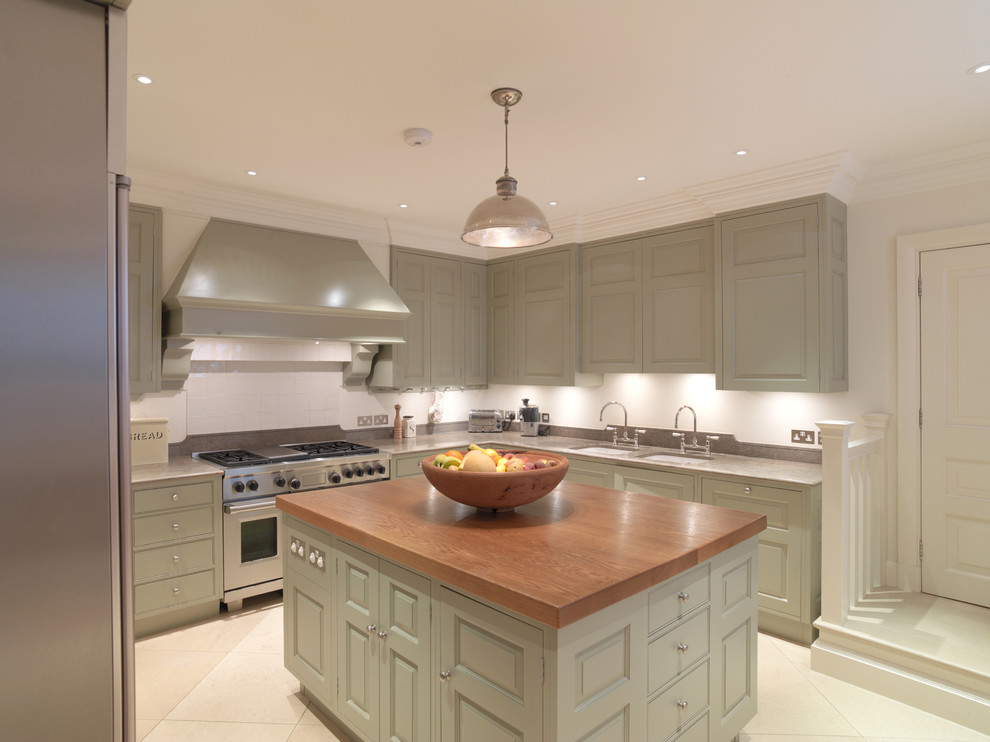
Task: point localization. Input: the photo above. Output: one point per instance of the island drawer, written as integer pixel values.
(173, 496)
(676, 708)
(153, 529)
(675, 599)
(672, 653)
(173, 559)
(173, 591)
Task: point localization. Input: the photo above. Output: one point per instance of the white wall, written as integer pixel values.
(651, 399)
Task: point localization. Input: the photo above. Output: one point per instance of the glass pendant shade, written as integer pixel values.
(506, 221)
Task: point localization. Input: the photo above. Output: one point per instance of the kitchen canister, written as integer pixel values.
(408, 426)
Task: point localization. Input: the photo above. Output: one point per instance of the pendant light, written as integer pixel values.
(506, 219)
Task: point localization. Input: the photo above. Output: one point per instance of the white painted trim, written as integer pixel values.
(909, 249)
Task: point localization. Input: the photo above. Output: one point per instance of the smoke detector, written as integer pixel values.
(418, 137)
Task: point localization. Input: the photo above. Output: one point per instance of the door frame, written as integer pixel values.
(904, 568)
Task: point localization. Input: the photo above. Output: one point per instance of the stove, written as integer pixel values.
(252, 525)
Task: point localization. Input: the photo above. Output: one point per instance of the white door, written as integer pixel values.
(955, 435)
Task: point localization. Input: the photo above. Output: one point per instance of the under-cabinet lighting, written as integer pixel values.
(143, 79)
(979, 69)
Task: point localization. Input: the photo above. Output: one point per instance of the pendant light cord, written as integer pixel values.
(506, 140)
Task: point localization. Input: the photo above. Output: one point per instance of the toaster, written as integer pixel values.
(485, 421)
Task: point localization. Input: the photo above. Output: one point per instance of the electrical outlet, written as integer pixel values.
(803, 436)
(381, 419)
(364, 421)
(545, 417)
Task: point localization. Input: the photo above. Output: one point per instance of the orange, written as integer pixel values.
(456, 454)
(492, 454)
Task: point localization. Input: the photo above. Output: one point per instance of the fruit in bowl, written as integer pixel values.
(494, 480)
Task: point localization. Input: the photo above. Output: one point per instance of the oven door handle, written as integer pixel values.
(249, 506)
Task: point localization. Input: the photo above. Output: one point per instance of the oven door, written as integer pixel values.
(252, 533)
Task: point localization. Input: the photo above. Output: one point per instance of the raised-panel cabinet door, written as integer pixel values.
(407, 681)
(308, 642)
(611, 308)
(144, 287)
(447, 329)
(358, 648)
(653, 482)
(502, 333)
(678, 272)
(411, 281)
(491, 674)
(475, 324)
(585, 471)
(544, 326)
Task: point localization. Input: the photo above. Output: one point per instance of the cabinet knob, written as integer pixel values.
(682, 704)
(747, 490)
(445, 676)
(682, 647)
(175, 557)
(175, 497)
(372, 628)
(175, 526)
(383, 635)
(683, 596)
(175, 591)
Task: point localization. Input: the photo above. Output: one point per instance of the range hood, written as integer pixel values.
(248, 281)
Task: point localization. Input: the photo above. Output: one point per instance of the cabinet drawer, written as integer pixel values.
(173, 496)
(670, 654)
(174, 559)
(675, 599)
(174, 591)
(676, 707)
(153, 529)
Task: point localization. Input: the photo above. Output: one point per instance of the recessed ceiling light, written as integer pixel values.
(979, 69)
(742, 152)
(403, 206)
(552, 203)
(143, 79)
(641, 178)
(251, 172)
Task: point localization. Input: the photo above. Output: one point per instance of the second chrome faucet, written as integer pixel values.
(693, 445)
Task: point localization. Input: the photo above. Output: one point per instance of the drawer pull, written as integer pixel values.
(175, 526)
(445, 676)
(682, 704)
(175, 497)
(175, 591)
(747, 490)
(682, 647)
(175, 557)
(683, 596)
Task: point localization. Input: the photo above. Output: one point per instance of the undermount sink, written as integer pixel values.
(604, 449)
(668, 455)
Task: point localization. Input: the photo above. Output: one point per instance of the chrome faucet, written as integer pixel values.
(625, 426)
(693, 445)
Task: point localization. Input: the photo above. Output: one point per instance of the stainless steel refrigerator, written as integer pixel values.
(65, 667)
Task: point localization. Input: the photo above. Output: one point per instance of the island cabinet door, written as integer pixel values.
(491, 674)
(358, 646)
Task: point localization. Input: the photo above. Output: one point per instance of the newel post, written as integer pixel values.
(836, 543)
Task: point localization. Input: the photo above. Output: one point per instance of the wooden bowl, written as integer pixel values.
(497, 491)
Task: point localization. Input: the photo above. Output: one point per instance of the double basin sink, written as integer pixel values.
(645, 453)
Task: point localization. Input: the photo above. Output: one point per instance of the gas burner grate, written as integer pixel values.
(236, 457)
(331, 448)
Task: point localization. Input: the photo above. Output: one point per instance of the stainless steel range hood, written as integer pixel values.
(247, 281)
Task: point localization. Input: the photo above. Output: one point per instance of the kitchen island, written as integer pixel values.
(587, 615)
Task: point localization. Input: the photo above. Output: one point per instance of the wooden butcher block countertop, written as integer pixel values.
(572, 553)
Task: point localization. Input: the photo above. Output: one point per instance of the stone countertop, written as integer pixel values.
(177, 467)
(593, 546)
(771, 470)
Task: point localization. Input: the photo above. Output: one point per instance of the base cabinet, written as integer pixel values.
(656, 482)
(412, 658)
(178, 560)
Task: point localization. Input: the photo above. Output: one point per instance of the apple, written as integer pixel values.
(515, 465)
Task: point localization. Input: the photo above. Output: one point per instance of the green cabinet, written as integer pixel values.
(648, 302)
(144, 298)
(532, 319)
(790, 550)
(782, 302)
(178, 558)
(590, 471)
(445, 333)
(656, 482)
(407, 464)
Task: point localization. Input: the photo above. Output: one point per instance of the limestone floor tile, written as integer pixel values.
(877, 716)
(744, 737)
(315, 733)
(313, 717)
(218, 731)
(142, 727)
(266, 637)
(767, 650)
(244, 687)
(220, 634)
(799, 654)
(164, 677)
(788, 704)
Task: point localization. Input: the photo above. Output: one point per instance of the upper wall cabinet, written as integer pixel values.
(648, 303)
(782, 300)
(532, 311)
(445, 334)
(144, 298)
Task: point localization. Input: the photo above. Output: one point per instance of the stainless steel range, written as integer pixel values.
(252, 525)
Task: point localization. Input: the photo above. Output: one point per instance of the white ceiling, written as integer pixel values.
(315, 95)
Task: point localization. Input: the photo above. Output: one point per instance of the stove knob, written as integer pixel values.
(253, 485)
(370, 471)
(380, 469)
(237, 486)
(359, 471)
(335, 478)
(348, 473)
(295, 483)
(279, 480)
